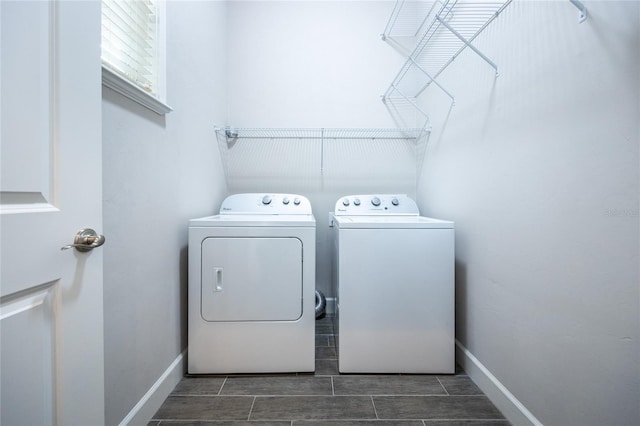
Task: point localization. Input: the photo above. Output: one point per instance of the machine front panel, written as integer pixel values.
(248, 279)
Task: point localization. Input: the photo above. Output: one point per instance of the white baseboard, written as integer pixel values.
(144, 410)
(504, 400)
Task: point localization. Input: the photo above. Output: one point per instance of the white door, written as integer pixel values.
(51, 318)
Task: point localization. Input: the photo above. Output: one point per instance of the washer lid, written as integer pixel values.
(376, 204)
(391, 222)
(266, 204)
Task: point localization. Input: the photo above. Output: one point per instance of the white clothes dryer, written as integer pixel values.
(393, 275)
(252, 287)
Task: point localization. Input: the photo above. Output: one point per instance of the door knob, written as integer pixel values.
(85, 240)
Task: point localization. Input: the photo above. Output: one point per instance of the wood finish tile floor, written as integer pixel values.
(328, 398)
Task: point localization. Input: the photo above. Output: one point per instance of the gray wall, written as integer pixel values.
(309, 63)
(158, 173)
(314, 64)
(539, 170)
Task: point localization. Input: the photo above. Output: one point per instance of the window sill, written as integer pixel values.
(131, 91)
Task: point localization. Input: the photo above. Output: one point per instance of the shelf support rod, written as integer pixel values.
(322, 152)
(583, 10)
(432, 80)
(468, 44)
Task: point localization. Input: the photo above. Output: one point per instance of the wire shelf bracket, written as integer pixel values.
(582, 10)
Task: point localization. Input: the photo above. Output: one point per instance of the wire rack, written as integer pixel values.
(230, 134)
(406, 24)
(448, 28)
(319, 153)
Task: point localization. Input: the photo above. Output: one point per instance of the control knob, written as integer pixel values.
(345, 202)
(395, 202)
(266, 200)
(375, 201)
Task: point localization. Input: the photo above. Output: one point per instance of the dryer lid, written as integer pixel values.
(265, 204)
(254, 220)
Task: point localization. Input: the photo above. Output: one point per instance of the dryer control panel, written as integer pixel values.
(260, 203)
(376, 204)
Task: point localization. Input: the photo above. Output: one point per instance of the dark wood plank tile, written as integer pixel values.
(324, 327)
(205, 408)
(326, 367)
(357, 423)
(326, 353)
(467, 423)
(322, 340)
(459, 385)
(387, 385)
(312, 408)
(325, 340)
(436, 407)
(220, 423)
(199, 386)
(294, 385)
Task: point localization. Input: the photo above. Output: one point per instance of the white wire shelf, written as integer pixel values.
(447, 29)
(320, 154)
(230, 134)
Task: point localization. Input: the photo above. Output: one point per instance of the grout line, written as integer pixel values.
(204, 395)
(251, 409)
(464, 419)
(333, 393)
(374, 408)
(347, 419)
(224, 382)
(390, 395)
(443, 387)
(284, 395)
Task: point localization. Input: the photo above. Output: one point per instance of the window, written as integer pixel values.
(133, 51)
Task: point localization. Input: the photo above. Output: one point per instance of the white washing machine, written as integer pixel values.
(393, 273)
(252, 286)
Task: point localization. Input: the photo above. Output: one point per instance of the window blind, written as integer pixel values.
(129, 41)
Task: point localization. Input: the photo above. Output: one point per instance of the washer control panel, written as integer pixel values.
(376, 204)
(258, 203)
